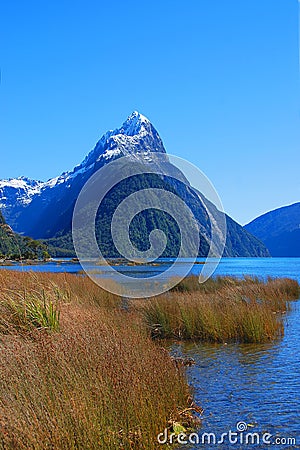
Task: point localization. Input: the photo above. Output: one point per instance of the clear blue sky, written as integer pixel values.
(219, 79)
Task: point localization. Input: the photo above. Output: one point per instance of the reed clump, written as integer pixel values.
(224, 309)
(79, 371)
(96, 382)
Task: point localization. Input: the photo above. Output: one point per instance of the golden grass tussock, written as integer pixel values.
(223, 309)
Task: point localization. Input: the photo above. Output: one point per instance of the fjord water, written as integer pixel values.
(261, 267)
(255, 384)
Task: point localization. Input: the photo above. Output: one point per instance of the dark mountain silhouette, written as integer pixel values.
(279, 230)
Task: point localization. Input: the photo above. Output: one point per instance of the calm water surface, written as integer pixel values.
(256, 384)
(263, 267)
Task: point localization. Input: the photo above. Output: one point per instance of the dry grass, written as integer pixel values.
(98, 383)
(221, 310)
(79, 372)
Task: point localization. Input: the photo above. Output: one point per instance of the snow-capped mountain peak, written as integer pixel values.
(135, 137)
(22, 189)
(44, 209)
(135, 124)
(20, 183)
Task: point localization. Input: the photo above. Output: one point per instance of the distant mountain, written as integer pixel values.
(279, 230)
(44, 209)
(15, 195)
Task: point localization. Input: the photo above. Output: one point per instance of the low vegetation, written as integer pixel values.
(17, 247)
(223, 309)
(78, 371)
(82, 373)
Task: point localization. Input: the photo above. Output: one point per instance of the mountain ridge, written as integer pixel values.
(47, 211)
(279, 229)
(21, 192)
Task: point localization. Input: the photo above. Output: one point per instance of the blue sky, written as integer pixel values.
(218, 79)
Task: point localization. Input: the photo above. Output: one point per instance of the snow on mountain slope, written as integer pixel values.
(18, 190)
(136, 135)
(112, 143)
